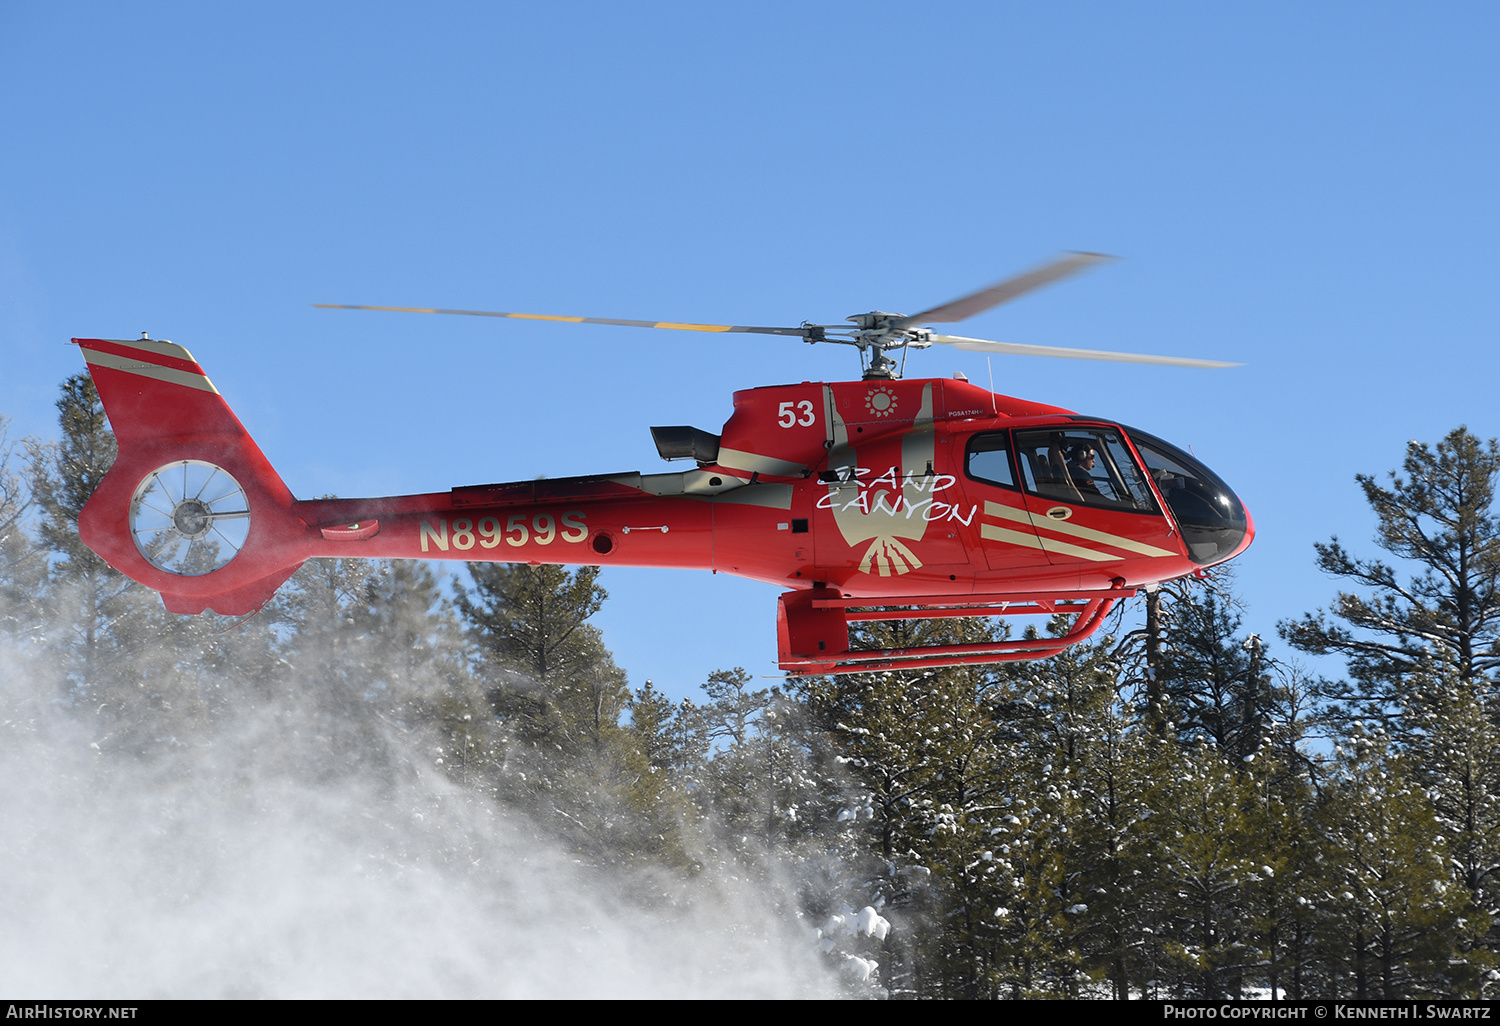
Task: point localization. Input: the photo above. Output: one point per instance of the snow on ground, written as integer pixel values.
(226, 872)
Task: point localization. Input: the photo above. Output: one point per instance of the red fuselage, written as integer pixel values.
(871, 501)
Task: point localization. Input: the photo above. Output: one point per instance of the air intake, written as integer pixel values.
(686, 443)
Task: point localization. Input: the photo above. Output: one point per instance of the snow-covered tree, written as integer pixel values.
(559, 700)
(1396, 923)
(1456, 757)
(22, 566)
(137, 669)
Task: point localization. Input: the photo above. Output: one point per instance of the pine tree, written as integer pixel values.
(900, 732)
(137, 669)
(533, 618)
(410, 643)
(1456, 756)
(1212, 855)
(22, 568)
(766, 794)
(1283, 923)
(744, 773)
(1216, 680)
(1111, 757)
(1191, 671)
(82, 589)
(1400, 926)
(1070, 802)
(559, 699)
(1142, 654)
(414, 673)
(1437, 516)
(324, 678)
(651, 725)
(652, 736)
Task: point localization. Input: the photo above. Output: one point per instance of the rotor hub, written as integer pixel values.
(192, 519)
(876, 319)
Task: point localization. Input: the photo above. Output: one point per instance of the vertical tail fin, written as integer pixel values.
(191, 507)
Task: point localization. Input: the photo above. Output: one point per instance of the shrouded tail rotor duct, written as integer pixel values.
(189, 518)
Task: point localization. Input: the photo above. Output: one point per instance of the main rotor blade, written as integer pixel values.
(1002, 292)
(673, 325)
(980, 345)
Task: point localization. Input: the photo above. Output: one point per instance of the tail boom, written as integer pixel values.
(193, 509)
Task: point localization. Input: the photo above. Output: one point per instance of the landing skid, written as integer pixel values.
(813, 628)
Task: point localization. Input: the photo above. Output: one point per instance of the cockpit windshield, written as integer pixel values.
(1211, 517)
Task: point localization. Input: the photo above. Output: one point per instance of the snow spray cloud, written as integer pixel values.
(219, 870)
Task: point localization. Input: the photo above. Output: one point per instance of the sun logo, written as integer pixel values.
(881, 401)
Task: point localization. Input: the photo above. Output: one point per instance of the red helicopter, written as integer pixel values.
(875, 499)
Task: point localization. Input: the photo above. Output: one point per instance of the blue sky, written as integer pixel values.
(1309, 189)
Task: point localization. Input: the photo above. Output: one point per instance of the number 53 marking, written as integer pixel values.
(787, 417)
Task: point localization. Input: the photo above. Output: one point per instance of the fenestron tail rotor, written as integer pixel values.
(189, 518)
(877, 332)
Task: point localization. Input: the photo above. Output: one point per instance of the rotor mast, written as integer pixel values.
(874, 333)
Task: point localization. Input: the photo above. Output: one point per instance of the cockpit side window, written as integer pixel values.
(988, 459)
(1091, 466)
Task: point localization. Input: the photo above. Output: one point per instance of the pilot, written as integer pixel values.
(1081, 459)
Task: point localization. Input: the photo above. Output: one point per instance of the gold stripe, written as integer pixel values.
(691, 327)
(1079, 531)
(149, 370)
(1076, 530)
(1048, 545)
(151, 345)
(542, 317)
(733, 459)
(1052, 545)
(994, 509)
(1004, 534)
(771, 496)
